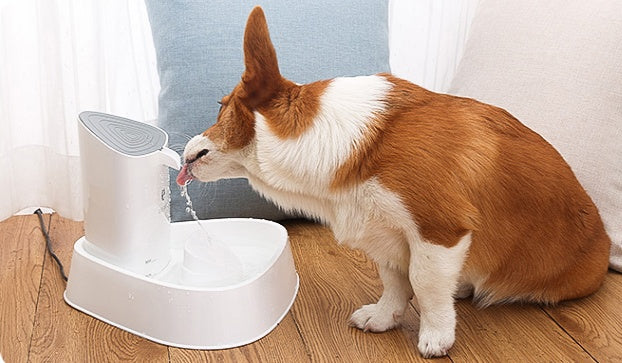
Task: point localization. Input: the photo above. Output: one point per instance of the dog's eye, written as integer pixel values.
(202, 153)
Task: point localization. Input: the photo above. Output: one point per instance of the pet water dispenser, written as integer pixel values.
(137, 271)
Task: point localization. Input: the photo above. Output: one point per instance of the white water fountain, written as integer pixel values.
(166, 281)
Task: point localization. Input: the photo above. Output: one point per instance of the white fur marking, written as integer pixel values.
(196, 144)
(434, 274)
(388, 312)
(347, 108)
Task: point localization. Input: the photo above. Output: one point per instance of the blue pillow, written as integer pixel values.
(200, 59)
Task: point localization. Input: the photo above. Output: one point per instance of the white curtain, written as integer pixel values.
(61, 57)
(427, 38)
(58, 58)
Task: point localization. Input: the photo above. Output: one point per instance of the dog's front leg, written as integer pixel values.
(434, 273)
(388, 311)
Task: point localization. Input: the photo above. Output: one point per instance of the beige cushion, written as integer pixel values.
(557, 66)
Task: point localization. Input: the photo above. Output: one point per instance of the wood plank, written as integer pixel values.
(511, 333)
(595, 322)
(283, 344)
(22, 249)
(63, 334)
(335, 281)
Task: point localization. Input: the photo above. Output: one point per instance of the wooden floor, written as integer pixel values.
(36, 325)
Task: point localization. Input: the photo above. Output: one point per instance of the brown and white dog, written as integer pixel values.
(450, 196)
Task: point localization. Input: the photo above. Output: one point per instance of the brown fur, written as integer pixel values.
(236, 126)
(288, 108)
(459, 166)
(292, 110)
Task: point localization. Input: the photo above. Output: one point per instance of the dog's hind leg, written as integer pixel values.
(434, 273)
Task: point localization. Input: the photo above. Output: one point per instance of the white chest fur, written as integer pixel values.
(296, 173)
(307, 163)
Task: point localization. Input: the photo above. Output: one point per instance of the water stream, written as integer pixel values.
(190, 209)
(219, 264)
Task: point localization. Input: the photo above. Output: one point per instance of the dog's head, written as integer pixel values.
(220, 151)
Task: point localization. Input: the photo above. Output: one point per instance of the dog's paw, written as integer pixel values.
(374, 318)
(435, 343)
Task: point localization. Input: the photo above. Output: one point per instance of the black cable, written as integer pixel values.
(48, 243)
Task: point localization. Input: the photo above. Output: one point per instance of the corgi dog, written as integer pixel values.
(449, 196)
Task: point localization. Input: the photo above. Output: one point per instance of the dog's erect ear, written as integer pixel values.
(261, 79)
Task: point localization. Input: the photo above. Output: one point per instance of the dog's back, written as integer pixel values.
(446, 194)
(461, 165)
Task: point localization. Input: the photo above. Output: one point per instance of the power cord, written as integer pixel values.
(48, 243)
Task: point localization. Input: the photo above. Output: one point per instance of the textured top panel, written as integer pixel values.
(124, 135)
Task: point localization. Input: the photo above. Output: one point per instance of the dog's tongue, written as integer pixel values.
(184, 176)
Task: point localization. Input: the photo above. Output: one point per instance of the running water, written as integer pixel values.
(190, 209)
(219, 264)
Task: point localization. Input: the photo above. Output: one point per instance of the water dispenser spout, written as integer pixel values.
(170, 158)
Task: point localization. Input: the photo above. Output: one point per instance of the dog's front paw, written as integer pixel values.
(435, 342)
(374, 318)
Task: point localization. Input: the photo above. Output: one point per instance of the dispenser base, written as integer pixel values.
(163, 309)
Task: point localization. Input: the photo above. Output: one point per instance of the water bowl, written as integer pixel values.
(224, 295)
(212, 262)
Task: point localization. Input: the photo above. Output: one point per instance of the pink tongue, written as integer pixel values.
(183, 177)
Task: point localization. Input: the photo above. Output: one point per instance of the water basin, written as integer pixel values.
(190, 304)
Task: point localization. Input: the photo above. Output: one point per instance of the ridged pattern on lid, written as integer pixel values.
(124, 135)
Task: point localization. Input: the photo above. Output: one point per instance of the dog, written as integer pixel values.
(449, 196)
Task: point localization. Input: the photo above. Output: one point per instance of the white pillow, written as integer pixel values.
(557, 66)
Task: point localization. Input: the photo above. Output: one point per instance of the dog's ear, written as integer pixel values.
(261, 78)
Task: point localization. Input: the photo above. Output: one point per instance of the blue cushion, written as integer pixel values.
(200, 59)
